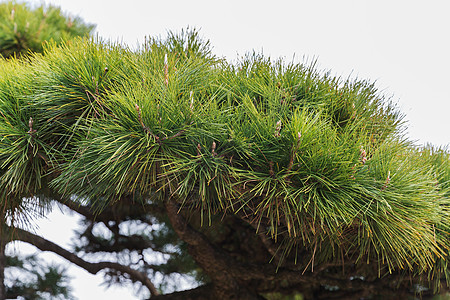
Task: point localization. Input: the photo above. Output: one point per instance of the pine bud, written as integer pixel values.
(30, 125)
(363, 155)
(213, 149)
(388, 180)
(278, 129)
(166, 70)
(138, 109)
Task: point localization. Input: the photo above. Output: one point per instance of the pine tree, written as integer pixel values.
(275, 178)
(25, 29)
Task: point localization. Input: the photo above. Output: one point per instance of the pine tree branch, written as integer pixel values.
(93, 268)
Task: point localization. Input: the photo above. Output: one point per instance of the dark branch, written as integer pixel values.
(200, 293)
(210, 258)
(93, 268)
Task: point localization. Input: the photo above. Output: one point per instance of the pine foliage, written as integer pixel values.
(313, 160)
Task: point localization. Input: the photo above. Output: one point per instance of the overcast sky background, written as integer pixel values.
(401, 45)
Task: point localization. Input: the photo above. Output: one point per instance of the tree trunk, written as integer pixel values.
(2, 265)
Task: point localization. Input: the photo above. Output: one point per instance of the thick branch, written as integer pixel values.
(230, 279)
(221, 267)
(200, 293)
(265, 239)
(203, 252)
(93, 268)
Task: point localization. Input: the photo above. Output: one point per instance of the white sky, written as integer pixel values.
(402, 45)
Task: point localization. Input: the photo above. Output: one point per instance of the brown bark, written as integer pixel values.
(214, 261)
(2, 268)
(3, 243)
